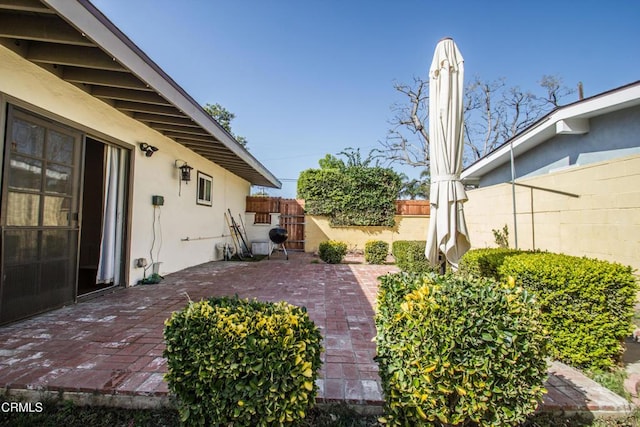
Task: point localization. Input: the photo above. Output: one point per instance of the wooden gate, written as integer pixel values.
(292, 219)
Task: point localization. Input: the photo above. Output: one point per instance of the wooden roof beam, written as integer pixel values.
(25, 6)
(78, 56)
(103, 78)
(45, 28)
(128, 95)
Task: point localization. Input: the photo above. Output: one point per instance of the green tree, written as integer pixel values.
(331, 162)
(415, 188)
(224, 118)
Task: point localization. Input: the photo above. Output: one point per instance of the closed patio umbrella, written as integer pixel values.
(447, 228)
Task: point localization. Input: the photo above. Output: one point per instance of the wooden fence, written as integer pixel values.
(291, 216)
(412, 207)
(266, 205)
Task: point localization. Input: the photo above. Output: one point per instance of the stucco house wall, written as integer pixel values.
(31, 87)
(318, 229)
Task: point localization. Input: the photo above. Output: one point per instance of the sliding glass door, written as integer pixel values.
(39, 215)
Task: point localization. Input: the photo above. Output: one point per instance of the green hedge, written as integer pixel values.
(332, 251)
(241, 362)
(409, 256)
(458, 351)
(485, 262)
(351, 195)
(587, 304)
(376, 251)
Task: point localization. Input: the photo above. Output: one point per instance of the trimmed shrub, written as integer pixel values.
(351, 194)
(375, 251)
(587, 304)
(332, 251)
(485, 262)
(458, 351)
(241, 362)
(409, 256)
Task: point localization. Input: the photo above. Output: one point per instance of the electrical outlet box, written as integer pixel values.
(157, 200)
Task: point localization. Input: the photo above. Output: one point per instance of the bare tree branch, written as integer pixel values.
(493, 113)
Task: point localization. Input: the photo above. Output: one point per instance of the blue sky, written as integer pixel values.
(310, 77)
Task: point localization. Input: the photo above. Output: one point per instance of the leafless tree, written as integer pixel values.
(408, 140)
(493, 113)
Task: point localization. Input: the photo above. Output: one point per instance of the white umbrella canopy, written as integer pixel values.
(448, 232)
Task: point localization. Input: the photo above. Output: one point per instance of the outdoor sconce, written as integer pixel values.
(148, 149)
(185, 170)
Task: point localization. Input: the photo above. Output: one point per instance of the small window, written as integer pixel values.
(204, 189)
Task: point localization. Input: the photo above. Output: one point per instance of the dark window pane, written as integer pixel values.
(25, 174)
(58, 179)
(27, 138)
(21, 246)
(55, 244)
(60, 147)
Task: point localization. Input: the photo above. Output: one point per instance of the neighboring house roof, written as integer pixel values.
(75, 41)
(568, 119)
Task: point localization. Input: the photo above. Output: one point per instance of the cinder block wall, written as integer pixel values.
(592, 210)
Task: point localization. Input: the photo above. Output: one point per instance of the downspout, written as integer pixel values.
(513, 194)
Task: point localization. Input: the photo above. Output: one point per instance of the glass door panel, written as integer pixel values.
(39, 216)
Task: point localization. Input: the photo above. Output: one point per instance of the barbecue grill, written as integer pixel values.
(278, 236)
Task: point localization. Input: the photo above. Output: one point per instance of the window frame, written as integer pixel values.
(201, 198)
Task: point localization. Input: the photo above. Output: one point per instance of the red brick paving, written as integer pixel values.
(113, 344)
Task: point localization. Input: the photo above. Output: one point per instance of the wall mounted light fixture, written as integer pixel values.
(185, 173)
(148, 149)
(185, 170)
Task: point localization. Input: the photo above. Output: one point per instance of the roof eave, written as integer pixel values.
(96, 26)
(547, 127)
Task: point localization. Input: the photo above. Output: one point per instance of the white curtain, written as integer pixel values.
(112, 214)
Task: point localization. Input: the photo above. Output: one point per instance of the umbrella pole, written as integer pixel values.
(443, 263)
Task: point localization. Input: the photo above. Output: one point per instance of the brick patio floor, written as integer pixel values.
(112, 345)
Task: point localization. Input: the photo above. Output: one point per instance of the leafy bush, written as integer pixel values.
(458, 351)
(485, 262)
(501, 236)
(233, 361)
(586, 304)
(351, 195)
(409, 256)
(375, 251)
(332, 251)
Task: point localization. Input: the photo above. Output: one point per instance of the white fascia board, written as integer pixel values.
(78, 14)
(575, 114)
(574, 126)
(520, 143)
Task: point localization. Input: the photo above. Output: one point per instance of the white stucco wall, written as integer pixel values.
(32, 87)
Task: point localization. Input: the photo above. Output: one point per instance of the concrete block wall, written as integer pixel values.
(591, 210)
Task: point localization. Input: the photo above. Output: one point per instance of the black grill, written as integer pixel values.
(278, 236)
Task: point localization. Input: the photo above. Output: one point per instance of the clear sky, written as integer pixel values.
(310, 77)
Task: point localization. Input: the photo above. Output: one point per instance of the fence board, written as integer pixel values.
(259, 204)
(412, 207)
(292, 219)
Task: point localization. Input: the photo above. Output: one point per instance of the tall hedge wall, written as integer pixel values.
(351, 196)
